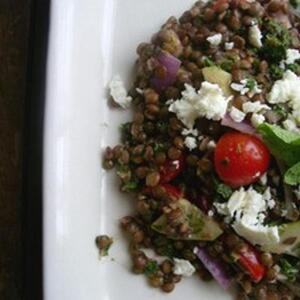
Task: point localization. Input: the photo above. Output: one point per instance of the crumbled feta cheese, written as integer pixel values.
(244, 88)
(264, 179)
(287, 90)
(211, 213)
(119, 93)
(257, 119)
(268, 198)
(169, 102)
(237, 115)
(190, 142)
(211, 145)
(290, 125)
(152, 255)
(208, 102)
(139, 91)
(183, 267)
(254, 107)
(291, 56)
(247, 209)
(215, 40)
(193, 132)
(229, 46)
(255, 36)
(239, 87)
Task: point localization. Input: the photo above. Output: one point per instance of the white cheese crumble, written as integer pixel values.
(211, 145)
(210, 213)
(139, 91)
(257, 119)
(119, 93)
(264, 179)
(215, 40)
(254, 107)
(291, 56)
(237, 115)
(290, 125)
(190, 142)
(247, 209)
(243, 88)
(255, 36)
(287, 90)
(208, 102)
(193, 132)
(183, 267)
(229, 46)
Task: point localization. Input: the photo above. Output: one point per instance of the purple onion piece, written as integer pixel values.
(244, 127)
(172, 65)
(215, 267)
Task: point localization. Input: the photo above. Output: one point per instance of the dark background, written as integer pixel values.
(21, 52)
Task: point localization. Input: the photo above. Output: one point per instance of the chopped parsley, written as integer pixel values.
(151, 268)
(226, 64)
(130, 186)
(223, 190)
(276, 72)
(208, 62)
(251, 84)
(288, 269)
(277, 40)
(280, 110)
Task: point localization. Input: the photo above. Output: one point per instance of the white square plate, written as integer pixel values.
(90, 41)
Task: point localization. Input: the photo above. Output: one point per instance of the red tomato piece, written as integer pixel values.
(249, 259)
(240, 159)
(171, 169)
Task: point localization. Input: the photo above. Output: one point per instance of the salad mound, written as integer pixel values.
(212, 155)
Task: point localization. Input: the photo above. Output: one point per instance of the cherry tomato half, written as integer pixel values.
(240, 159)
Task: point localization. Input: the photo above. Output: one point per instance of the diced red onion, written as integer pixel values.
(172, 65)
(214, 266)
(244, 126)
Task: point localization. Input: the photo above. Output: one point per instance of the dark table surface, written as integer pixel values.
(14, 44)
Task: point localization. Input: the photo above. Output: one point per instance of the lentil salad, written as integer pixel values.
(212, 155)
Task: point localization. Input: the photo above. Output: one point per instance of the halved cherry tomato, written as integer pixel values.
(249, 259)
(240, 159)
(171, 169)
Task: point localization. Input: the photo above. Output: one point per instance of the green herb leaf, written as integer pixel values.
(289, 270)
(251, 83)
(151, 268)
(279, 109)
(208, 62)
(292, 175)
(277, 40)
(130, 186)
(282, 143)
(276, 72)
(224, 190)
